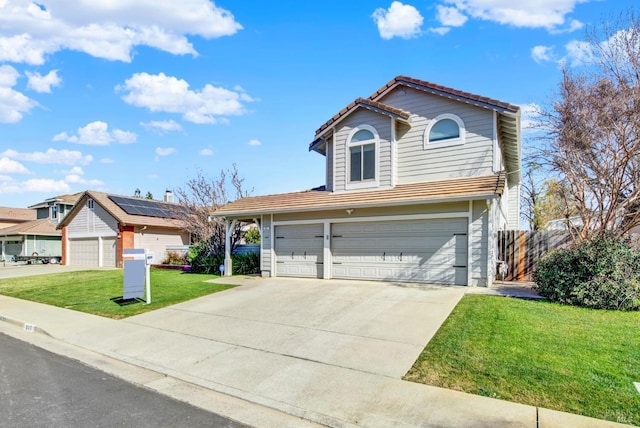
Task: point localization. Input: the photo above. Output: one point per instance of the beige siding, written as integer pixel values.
(479, 243)
(415, 163)
(513, 206)
(156, 241)
(382, 124)
(329, 181)
(93, 222)
(444, 208)
(265, 245)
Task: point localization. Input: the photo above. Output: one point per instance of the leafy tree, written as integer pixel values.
(136, 193)
(594, 131)
(199, 199)
(252, 236)
(149, 195)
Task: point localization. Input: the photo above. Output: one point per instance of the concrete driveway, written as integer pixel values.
(378, 328)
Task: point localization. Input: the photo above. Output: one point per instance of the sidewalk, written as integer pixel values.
(256, 387)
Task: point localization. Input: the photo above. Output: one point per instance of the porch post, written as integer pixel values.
(228, 264)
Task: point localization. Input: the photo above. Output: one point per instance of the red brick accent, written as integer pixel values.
(125, 242)
(63, 260)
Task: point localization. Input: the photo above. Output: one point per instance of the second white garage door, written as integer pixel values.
(299, 250)
(419, 250)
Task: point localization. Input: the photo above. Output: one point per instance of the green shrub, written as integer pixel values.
(202, 261)
(601, 273)
(246, 263)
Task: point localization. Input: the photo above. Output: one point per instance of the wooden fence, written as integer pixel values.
(519, 250)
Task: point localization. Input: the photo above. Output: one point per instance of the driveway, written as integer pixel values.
(379, 328)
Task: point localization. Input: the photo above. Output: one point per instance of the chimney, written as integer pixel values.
(168, 196)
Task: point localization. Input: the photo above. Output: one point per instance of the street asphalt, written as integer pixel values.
(277, 352)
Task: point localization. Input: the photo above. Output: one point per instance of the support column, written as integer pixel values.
(228, 264)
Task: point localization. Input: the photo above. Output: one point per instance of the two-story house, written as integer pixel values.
(419, 179)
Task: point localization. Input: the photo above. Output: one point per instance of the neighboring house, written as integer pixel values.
(35, 237)
(419, 179)
(13, 216)
(100, 226)
(56, 208)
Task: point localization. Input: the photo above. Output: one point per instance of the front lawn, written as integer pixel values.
(97, 291)
(538, 353)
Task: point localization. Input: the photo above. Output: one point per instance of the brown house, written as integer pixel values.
(100, 226)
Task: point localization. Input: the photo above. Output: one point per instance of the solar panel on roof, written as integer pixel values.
(146, 207)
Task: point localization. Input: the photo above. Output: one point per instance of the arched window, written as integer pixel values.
(363, 146)
(444, 130)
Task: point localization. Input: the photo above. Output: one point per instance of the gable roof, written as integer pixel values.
(125, 219)
(444, 91)
(42, 227)
(17, 214)
(403, 194)
(67, 199)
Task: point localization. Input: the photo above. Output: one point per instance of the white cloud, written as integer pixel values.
(13, 104)
(542, 54)
(579, 53)
(161, 126)
(35, 185)
(40, 83)
(206, 152)
(399, 20)
(440, 30)
(106, 29)
(159, 92)
(106, 160)
(124, 137)
(254, 142)
(530, 113)
(97, 134)
(548, 14)
(51, 156)
(165, 151)
(450, 16)
(10, 166)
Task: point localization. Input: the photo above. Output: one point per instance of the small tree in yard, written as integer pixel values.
(199, 199)
(594, 125)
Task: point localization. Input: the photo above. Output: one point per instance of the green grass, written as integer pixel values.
(533, 352)
(91, 291)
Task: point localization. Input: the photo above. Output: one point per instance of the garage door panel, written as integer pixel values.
(416, 250)
(84, 251)
(299, 250)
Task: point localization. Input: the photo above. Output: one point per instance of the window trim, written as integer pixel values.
(363, 184)
(448, 142)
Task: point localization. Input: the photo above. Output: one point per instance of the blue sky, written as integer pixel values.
(114, 95)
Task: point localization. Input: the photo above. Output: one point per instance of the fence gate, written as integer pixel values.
(520, 250)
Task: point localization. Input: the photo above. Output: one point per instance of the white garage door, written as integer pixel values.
(432, 251)
(83, 251)
(109, 252)
(299, 250)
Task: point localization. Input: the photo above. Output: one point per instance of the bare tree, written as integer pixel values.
(199, 199)
(594, 125)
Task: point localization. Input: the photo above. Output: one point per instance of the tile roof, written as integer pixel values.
(68, 199)
(17, 214)
(43, 226)
(120, 215)
(368, 104)
(403, 194)
(444, 91)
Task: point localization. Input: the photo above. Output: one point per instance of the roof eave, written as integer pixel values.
(479, 196)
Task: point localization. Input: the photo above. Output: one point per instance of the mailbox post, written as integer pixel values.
(136, 274)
